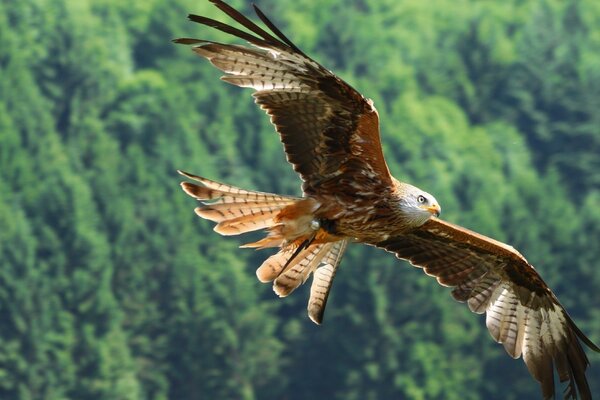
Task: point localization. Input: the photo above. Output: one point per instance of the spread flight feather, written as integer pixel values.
(330, 134)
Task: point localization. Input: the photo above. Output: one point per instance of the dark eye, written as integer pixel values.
(421, 199)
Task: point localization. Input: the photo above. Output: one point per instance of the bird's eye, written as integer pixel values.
(421, 199)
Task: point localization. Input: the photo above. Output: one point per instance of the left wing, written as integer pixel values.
(328, 129)
(522, 312)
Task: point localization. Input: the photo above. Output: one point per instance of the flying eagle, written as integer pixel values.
(330, 134)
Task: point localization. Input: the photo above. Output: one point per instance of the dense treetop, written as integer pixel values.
(111, 287)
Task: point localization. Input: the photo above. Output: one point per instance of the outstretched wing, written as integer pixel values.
(522, 312)
(328, 129)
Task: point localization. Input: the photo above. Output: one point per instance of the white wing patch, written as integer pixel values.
(257, 68)
(533, 333)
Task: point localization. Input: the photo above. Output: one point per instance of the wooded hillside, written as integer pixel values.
(111, 287)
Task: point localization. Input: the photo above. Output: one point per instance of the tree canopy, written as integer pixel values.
(111, 287)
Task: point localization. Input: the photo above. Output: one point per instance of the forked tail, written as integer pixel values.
(304, 246)
(235, 210)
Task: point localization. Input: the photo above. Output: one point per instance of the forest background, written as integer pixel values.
(111, 287)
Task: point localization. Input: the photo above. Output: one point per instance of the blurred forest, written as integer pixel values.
(111, 287)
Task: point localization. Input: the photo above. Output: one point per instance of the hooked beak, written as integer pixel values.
(434, 209)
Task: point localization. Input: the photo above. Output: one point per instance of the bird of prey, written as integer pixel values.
(330, 134)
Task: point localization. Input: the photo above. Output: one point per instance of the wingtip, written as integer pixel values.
(579, 333)
(186, 41)
(257, 10)
(195, 18)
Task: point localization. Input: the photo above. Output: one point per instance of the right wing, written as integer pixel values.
(328, 129)
(493, 278)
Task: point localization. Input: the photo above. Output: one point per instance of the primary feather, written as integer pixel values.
(330, 134)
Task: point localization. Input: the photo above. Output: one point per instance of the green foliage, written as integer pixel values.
(110, 287)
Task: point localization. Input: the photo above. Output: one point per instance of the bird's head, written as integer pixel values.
(417, 205)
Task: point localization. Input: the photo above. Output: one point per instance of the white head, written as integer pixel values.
(417, 205)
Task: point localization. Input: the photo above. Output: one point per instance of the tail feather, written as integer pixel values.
(322, 281)
(226, 211)
(235, 210)
(299, 269)
(289, 222)
(215, 196)
(272, 240)
(244, 224)
(232, 190)
(271, 268)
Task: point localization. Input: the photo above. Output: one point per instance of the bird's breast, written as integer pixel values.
(366, 219)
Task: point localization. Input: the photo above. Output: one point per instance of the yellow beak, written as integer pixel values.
(433, 209)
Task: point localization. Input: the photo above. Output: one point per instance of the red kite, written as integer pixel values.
(330, 134)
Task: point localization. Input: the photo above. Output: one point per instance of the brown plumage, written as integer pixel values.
(330, 134)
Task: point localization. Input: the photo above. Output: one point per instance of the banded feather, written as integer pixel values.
(323, 280)
(521, 312)
(235, 210)
(271, 268)
(330, 134)
(299, 269)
